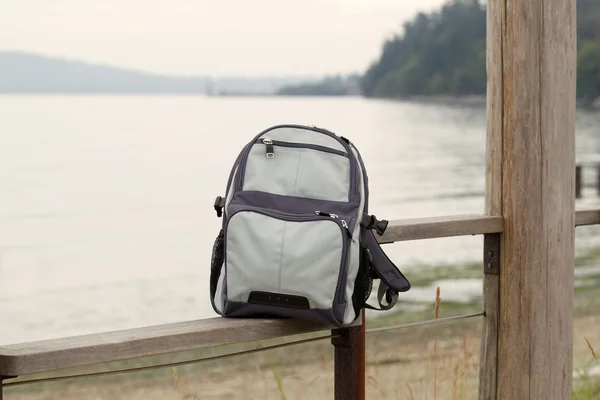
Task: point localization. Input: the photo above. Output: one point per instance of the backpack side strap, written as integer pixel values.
(383, 267)
(391, 297)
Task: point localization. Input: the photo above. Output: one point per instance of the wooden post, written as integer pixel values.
(2, 379)
(488, 369)
(598, 179)
(350, 362)
(578, 181)
(531, 100)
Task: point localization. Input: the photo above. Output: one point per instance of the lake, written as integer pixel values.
(106, 202)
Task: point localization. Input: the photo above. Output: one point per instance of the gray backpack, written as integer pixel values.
(297, 239)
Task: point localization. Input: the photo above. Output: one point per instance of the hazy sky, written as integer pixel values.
(256, 37)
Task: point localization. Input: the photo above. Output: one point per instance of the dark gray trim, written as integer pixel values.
(231, 174)
(235, 309)
(365, 179)
(338, 311)
(384, 268)
(297, 204)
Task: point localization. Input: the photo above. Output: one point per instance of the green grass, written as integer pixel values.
(427, 275)
(586, 388)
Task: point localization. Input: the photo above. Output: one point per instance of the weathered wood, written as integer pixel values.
(459, 225)
(488, 362)
(536, 280)
(488, 358)
(437, 227)
(587, 217)
(49, 355)
(578, 181)
(598, 179)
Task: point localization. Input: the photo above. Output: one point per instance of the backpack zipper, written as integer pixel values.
(270, 149)
(343, 222)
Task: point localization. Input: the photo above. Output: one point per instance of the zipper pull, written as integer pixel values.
(334, 216)
(270, 148)
(345, 225)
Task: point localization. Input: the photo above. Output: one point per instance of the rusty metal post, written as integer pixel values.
(350, 362)
(578, 181)
(2, 378)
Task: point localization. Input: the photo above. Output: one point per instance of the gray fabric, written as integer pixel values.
(218, 299)
(271, 255)
(298, 172)
(311, 250)
(301, 132)
(303, 136)
(253, 254)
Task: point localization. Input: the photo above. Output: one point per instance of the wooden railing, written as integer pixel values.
(24, 359)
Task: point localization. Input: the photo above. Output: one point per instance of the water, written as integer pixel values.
(106, 218)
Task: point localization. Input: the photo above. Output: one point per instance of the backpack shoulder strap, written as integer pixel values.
(392, 281)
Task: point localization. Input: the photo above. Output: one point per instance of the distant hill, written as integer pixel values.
(329, 86)
(32, 73)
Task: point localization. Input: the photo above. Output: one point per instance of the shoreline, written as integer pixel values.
(472, 100)
(468, 100)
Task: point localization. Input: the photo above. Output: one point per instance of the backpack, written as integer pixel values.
(296, 239)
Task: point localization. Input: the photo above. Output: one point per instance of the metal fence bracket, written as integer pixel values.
(491, 253)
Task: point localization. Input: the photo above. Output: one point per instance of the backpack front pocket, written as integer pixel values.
(295, 255)
(299, 170)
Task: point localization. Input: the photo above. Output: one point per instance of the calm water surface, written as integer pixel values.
(106, 218)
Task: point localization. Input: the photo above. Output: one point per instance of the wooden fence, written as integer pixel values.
(529, 224)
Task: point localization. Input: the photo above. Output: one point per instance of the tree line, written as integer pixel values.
(443, 53)
(336, 85)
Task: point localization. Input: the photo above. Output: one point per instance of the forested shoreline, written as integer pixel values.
(443, 53)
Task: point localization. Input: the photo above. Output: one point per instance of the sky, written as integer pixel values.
(197, 37)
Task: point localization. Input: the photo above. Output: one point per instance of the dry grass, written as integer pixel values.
(436, 313)
(592, 350)
(587, 387)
